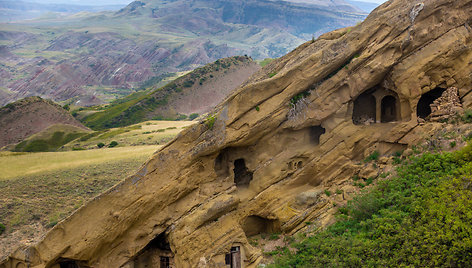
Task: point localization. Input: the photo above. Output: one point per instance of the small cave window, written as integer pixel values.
(68, 264)
(254, 225)
(242, 176)
(388, 109)
(364, 112)
(315, 134)
(423, 109)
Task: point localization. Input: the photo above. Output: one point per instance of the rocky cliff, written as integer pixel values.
(259, 162)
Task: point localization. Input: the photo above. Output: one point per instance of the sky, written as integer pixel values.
(124, 2)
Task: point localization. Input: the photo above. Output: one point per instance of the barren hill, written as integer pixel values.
(93, 58)
(26, 117)
(264, 157)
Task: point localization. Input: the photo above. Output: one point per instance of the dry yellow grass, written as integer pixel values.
(15, 165)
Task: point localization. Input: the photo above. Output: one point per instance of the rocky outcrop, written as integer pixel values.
(250, 168)
(29, 116)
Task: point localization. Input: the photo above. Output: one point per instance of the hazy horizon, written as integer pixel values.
(125, 2)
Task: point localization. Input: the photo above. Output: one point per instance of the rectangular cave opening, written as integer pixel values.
(242, 176)
(68, 263)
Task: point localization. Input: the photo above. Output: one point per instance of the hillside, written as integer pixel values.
(21, 119)
(94, 58)
(287, 150)
(192, 94)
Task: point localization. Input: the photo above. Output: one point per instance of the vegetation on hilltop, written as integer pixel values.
(421, 217)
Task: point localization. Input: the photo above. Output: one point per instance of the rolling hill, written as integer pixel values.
(188, 96)
(29, 116)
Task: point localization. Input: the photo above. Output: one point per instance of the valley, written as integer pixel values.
(93, 58)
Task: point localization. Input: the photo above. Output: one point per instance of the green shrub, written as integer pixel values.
(257, 108)
(418, 218)
(113, 144)
(2, 228)
(372, 157)
(467, 117)
(210, 121)
(193, 116)
(274, 236)
(101, 145)
(452, 144)
(272, 74)
(327, 193)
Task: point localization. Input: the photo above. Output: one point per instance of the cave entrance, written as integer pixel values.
(423, 109)
(315, 134)
(68, 263)
(156, 254)
(233, 259)
(364, 112)
(254, 225)
(388, 109)
(242, 176)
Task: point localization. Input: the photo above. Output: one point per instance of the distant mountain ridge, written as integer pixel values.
(14, 10)
(94, 58)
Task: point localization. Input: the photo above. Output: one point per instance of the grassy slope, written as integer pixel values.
(419, 218)
(13, 165)
(136, 107)
(39, 189)
(146, 133)
(50, 139)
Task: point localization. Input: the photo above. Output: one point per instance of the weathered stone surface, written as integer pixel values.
(446, 106)
(190, 194)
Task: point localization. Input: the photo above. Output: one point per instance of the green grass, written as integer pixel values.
(51, 139)
(146, 133)
(47, 198)
(13, 165)
(419, 218)
(266, 61)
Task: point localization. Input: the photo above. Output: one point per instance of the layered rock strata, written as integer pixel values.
(253, 166)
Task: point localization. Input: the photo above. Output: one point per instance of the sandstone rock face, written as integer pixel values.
(252, 168)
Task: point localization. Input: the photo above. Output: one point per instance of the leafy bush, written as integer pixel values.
(2, 228)
(101, 145)
(419, 218)
(210, 121)
(372, 157)
(193, 116)
(113, 144)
